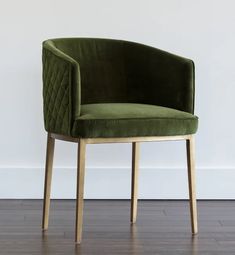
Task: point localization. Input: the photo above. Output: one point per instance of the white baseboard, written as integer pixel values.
(114, 183)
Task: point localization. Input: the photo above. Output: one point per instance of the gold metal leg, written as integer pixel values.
(191, 182)
(134, 181)
(80, 189)
(47, 183)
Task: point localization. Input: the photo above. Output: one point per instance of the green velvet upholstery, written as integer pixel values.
(112, 88)
(126, 120)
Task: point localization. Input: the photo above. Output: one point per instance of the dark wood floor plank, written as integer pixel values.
(163, 227)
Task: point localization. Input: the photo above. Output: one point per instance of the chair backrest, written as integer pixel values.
(102, 68)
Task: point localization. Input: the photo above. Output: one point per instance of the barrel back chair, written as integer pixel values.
(113, 91)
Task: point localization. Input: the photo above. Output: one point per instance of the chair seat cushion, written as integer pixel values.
(132, 120)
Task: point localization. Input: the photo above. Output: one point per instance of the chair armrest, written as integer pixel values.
(61, 89)
(161, 78)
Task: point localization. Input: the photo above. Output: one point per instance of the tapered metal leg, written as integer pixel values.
(47, 183)
(80, 189)
(134, 180)
(191, 183)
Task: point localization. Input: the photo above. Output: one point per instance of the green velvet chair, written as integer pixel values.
(112, 91)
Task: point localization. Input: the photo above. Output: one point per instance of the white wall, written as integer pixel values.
(201, 30)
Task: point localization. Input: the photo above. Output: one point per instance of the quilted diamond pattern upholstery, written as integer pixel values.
(56, 93)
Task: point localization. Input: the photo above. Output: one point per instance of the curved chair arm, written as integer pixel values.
(61, 89)
(160, 78)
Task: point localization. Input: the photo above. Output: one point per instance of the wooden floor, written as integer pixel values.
(163, 227)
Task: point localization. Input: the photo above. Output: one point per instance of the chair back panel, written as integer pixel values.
(102, 68)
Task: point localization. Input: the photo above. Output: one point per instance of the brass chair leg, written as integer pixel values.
(191, 183)
(134, 181)
(80, 189)
(47, 182)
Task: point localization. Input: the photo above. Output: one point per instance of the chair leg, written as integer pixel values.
(191, 183)
(134, 181)
(47, 182)
(80, 189)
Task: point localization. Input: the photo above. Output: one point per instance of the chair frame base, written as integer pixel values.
(134, 180)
